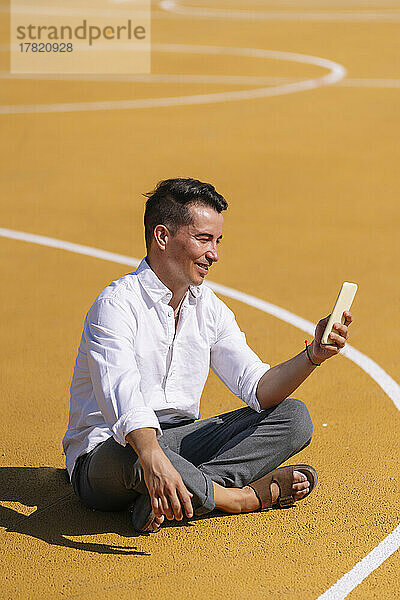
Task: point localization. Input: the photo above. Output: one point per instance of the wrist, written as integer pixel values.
(147, 455)
(310, 353)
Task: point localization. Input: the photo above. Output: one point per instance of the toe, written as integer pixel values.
(300, 494)
(298, 476)
(302, 485)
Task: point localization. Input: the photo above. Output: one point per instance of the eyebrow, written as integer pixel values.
(209, 235)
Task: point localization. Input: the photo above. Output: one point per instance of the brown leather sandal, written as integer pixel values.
(283, 477)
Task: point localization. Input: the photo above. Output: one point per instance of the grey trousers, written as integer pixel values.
(232, 449)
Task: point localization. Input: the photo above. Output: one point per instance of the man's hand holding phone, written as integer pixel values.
(338, 337)
(332, 332)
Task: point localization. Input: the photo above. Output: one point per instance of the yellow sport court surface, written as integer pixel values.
(291, 109)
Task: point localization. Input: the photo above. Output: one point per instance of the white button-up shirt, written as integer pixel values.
(134, 370)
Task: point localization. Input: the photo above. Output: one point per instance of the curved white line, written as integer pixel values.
(364, 567)
(193, 78)
(391, 543)
(271, 15)
(153, 78)
(383, 379)
(42, 240)
(336, 73)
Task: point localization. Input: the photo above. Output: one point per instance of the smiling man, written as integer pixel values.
(134, 439)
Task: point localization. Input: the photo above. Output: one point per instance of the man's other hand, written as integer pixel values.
(168, 493)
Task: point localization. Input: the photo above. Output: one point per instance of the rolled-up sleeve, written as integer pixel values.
(234, 362)
(110, 339)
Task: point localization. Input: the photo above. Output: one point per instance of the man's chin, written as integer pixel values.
(197, 281)
(198, 278)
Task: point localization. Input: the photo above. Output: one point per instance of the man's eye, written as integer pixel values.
(207, 240)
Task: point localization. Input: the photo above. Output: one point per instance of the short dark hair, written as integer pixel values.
(168, 204)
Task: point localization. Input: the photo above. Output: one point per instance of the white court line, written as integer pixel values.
(362, 569)
(335, 74)
(154, 78)
(192, 78)
(271, 15)
(391, 543)
(383, 379)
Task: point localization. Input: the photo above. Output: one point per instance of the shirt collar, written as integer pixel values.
(155, 288)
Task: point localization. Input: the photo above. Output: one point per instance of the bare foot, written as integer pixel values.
(300, 488)
(241, 500)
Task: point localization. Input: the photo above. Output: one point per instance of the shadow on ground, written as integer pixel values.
(59, 513)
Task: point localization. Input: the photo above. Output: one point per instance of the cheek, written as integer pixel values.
(187, 253)
(194, 253)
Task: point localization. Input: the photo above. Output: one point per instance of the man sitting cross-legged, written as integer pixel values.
(134, 440)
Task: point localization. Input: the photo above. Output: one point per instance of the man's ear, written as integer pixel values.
(161, 236)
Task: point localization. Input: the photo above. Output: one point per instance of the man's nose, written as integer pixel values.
(212, 253)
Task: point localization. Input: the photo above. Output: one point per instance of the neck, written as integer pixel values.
(177, 309)
(178, 292)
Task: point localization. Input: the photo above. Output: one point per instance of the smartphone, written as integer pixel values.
(343, 302)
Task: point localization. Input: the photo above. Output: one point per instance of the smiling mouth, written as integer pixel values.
(203, 268)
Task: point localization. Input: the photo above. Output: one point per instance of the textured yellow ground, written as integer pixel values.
(312, 181)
